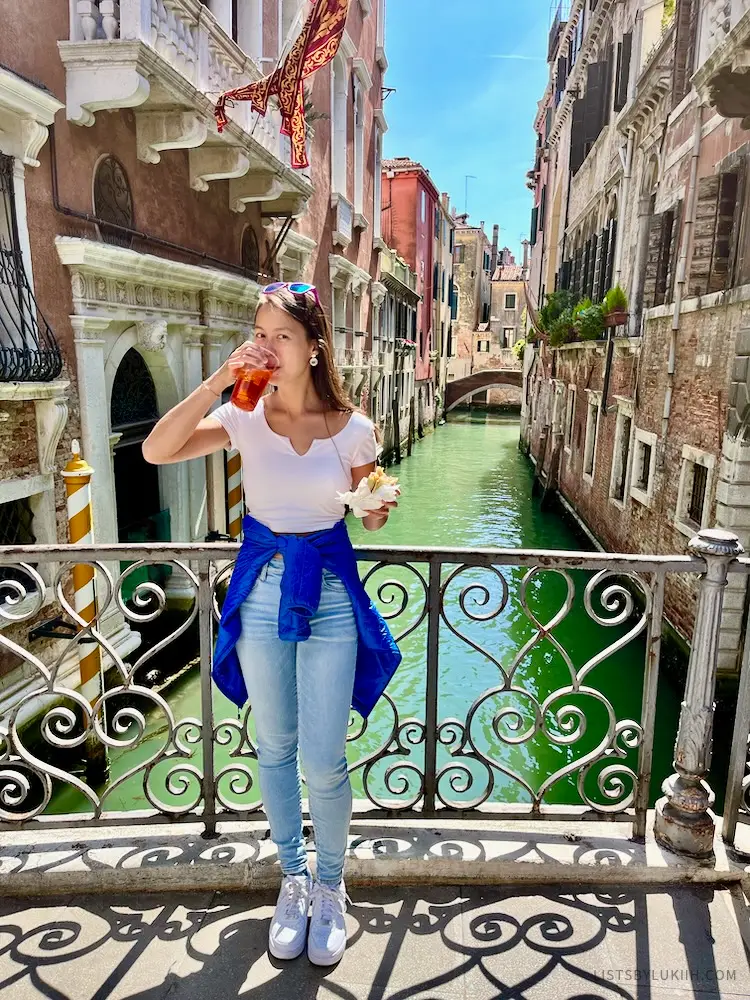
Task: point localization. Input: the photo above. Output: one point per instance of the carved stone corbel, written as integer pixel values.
(51, 417)
(252, 187)
(216, 163)
(160, 130)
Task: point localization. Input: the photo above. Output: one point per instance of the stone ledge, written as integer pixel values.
(389, 852)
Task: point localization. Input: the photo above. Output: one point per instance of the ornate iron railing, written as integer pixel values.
(490, 712)
(28, 349)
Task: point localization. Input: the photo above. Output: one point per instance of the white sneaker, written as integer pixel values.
(326, 940)
(288, 930)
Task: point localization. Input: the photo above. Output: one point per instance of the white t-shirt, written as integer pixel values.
(295, 493)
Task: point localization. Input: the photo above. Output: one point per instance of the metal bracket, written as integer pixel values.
(216, 536)
(56, 628)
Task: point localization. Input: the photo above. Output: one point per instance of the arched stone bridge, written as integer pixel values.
(490, 378)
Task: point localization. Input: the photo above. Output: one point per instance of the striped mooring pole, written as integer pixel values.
(77, 475)
(234, 494)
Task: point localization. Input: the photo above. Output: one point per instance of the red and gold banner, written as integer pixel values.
(315, 47)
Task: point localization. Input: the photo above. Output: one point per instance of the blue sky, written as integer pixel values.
(468, 75)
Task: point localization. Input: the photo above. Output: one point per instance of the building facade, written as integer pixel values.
(410, 214)
(640, 181)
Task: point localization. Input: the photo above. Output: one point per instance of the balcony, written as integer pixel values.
(441, 604)
(169, 60)
(722, 79)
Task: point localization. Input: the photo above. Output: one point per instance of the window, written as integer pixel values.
(621, 457)
(508, 336)
(715, 233)
(459, 254)
(698, 494)
(592, 429)
(424, 204)
(486, 312)
(28, 349)
(483, 346)
(510, 301)
(16, 528)
(250, 253)
(590, 112)
(359, 149)
(693, 494)
(378, 185)
(113, 201)
(486, 260)
(442, 287)
(622, 71)
(644, 461)
(658, 284)
(339, 92)
(570, 416)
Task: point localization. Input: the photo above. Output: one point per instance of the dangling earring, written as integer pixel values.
(314, 360)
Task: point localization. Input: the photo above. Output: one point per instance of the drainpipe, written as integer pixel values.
(681, 276)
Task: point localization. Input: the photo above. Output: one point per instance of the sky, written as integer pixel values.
(468, 75)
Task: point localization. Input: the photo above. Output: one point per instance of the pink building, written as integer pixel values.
(410, 201)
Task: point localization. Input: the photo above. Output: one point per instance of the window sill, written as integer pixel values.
(688, 530)
(588, 478)
(620, 504)
(641, 496)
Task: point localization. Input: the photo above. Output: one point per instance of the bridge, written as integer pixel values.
(489, 378)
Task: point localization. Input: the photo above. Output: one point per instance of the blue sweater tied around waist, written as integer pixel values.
(305, 558)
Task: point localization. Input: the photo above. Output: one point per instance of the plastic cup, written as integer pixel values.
(252, 382)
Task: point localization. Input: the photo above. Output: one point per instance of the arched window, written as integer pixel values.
(250, 253)
(133, 394)
(113, 201)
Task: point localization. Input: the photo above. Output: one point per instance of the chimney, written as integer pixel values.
(493, 259)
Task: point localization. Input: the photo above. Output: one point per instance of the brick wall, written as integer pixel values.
(699, 411)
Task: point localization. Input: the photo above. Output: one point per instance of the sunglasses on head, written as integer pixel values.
(295, 287)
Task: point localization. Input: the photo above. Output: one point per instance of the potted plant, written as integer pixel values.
(615, 307)
(590, 322)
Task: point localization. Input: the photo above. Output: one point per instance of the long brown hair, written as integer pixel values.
(325, 376)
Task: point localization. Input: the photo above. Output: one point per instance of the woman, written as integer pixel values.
(298, 636)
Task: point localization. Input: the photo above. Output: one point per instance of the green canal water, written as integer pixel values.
(466, 485)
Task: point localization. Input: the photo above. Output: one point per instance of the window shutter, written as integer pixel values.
(600, 264)
(593, 258)
(577, 135)
(674, 249)
(624, 53)
(542, 208)
(565, 274)
(547, 123)
(662, 266)
(594, 105)
(561, 78)
(609, 271)
(652, 260)
(534, 222)
(714, 217)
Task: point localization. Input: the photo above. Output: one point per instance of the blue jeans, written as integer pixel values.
(301, 694)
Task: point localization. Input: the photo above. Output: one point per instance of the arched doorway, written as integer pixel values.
(134, 411)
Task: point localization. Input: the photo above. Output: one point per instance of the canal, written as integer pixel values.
(466, 485)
